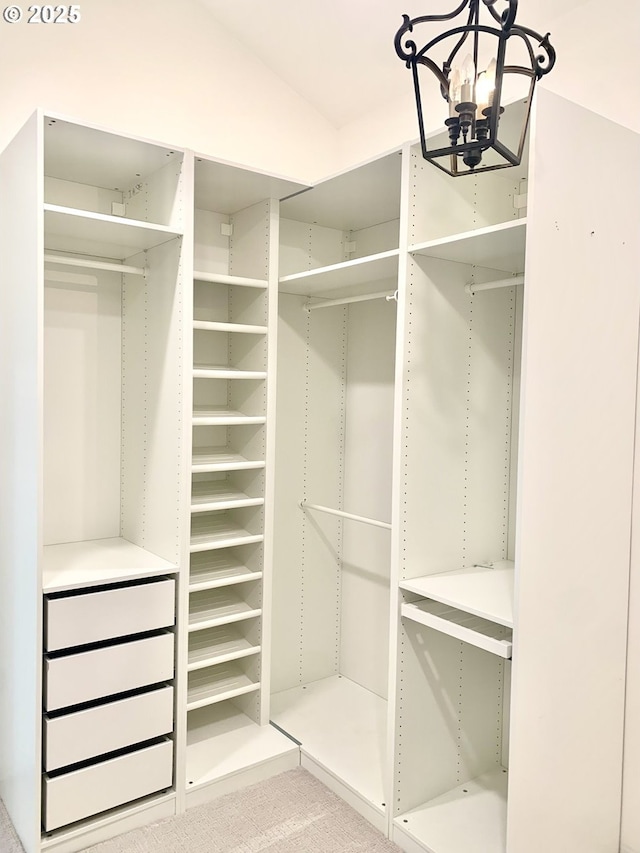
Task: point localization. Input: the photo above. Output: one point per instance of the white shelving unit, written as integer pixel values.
(450, 492)
(232, 421)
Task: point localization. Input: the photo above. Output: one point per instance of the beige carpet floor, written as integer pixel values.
(290, 813)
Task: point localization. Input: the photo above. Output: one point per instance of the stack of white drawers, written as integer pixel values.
(108, 707)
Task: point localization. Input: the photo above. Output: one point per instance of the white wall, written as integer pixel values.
(598, 67)
(164, 70)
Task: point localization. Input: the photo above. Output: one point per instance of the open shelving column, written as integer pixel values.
(229, 741)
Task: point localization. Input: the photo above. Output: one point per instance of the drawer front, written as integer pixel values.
(96, 731)
(86, 676)
(89, 618)
(91, 790)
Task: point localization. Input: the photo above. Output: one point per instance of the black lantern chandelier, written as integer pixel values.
(479, 136)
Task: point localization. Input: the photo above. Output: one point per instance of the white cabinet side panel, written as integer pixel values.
(82, 366)
(576, 460)
(153, 431)
(364, 635)
(211, 247)
(311, 352)
(21, 310)
(249, 243)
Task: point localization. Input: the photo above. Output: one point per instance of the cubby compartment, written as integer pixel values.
(115, 177)
(222, 681)
(212, 607)
(344, 234)
(228, 448)
(226, 566)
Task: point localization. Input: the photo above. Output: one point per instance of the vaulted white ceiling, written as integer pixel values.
(339, 54)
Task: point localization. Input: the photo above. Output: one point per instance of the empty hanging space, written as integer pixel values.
(336, 357)
(228, 736)
(457, 508)
(112, 361)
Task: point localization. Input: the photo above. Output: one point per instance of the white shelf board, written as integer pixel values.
(342, 727)
(461, 625)
(209, 416)
(236, 328)
(216, 495)
(485, 592)
(497, 247)
(221, 645)
(222, 741)
(221, 607)
(471, 818)
(209, 686)
(209, 533)
(209, 371)
(73, 230)
(235, 280)
(73, 565)
(214, 570)
(212, 459)
(372, 268)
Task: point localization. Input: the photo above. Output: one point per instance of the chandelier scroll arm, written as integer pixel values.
(409, 49)
(507, 18)
(543, 62)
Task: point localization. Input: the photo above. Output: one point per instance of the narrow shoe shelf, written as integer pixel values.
(218, 495)
(212, 534)
(208, 686)
(210, 416)
(214, 570)
(218, 607)
(210, 371)
(213, 459)
(218, 645)
(237, 328)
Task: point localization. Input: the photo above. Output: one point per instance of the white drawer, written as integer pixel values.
(91, 790)
(96, 731)
(77, 620)
(85, 676)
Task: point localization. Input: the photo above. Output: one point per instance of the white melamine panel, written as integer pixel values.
(68, 229)
(463, 626)
(229, 187)
(84, 676)
(366, 551)
(73, 796)
(345, 276)
(341, 727)
(307, 246)
(21, 322)
(471, 818)
(456, 426)
(222, 742)
(249, 243)
(486, 592)
(631, 762)
(576, 463)
(83, 196)
(211, 248)
(82, 367)
(155, 324)
(160, 196)
(81, 619)
(106, 728)
(306, 616)
(442, 205)
(76, 565)
(378, 238)
(449, 713)
(498, 247)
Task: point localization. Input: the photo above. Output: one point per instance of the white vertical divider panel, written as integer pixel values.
(185, 292)
(574, 508)
(402, 325)
(251, 255)
(366, 552)
(270, 459)
(311, 377)
(153, 510)
(21, 436)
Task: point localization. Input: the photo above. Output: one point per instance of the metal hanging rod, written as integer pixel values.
(66, 261)
(472, 288)
(340, 514)
(389, 295)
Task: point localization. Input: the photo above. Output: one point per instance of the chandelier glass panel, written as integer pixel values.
(485, 67)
